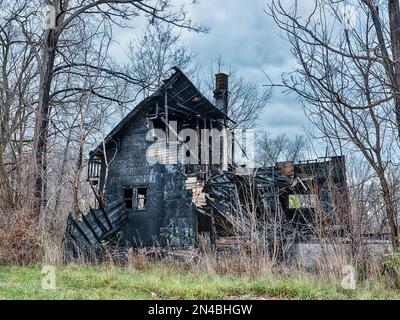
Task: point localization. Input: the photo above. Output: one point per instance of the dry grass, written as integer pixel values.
(20, 239)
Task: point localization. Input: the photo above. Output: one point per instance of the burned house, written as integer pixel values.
(149, 193)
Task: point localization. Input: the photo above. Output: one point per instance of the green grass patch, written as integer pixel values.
(91, 282)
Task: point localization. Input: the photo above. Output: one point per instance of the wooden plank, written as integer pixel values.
(94, 224)
(89, 226)
(100, 224)
(78, 227)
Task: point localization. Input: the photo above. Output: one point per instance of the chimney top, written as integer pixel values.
(221, 82)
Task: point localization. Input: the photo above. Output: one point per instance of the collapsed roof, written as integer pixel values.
(181, 97)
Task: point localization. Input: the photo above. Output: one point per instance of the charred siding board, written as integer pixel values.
(178, 222)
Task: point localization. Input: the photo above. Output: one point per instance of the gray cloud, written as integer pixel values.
(243, 34)
(249, 41)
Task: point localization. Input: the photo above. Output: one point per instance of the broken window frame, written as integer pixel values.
(141, 196)
(136, 198)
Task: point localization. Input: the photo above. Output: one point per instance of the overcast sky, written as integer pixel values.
(249, 41)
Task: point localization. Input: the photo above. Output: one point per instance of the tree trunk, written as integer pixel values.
(391, 213)
(391, 64)
(6, 194)
(394, 16)
(75, 181)
(42, 123)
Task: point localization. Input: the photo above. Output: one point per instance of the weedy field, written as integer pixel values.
(171, 282)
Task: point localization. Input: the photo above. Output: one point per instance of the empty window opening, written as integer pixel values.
(302, 201)
(128, 198)
(142, 198)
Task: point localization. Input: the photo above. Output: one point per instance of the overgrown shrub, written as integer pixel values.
(391, 267)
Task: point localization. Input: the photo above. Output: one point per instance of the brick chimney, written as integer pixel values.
(221, 93)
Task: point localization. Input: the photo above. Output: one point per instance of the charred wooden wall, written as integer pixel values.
(168, 218)
(327, 179)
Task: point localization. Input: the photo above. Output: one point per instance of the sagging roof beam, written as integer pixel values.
(179, 92)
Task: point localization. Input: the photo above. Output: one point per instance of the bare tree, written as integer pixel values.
(18, 84)
(271, 150)
(155, 53)
(347, 77)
